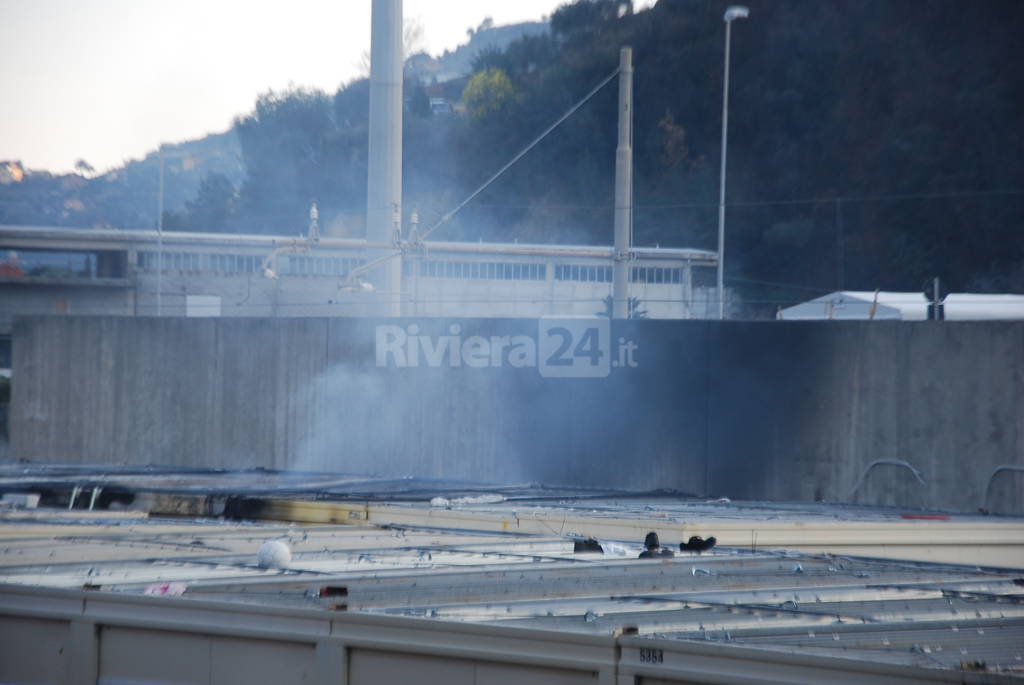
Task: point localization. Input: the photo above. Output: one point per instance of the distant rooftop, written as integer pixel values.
(905, 306)
(263, 241)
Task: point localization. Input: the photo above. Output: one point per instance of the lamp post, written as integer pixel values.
(734, 12)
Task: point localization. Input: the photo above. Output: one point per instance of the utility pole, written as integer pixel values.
(623, 190)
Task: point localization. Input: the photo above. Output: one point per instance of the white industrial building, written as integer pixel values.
(883, 305)
(113, 272)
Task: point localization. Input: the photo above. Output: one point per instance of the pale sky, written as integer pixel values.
(109, 80)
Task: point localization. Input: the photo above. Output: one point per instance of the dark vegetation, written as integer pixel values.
(872, 143)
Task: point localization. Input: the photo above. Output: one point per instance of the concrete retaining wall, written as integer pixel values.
(812, 405)
(770, 410)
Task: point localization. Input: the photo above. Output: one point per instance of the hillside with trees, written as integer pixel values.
(872, 144)
(125, 197)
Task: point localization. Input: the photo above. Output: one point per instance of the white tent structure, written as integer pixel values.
(880, 304)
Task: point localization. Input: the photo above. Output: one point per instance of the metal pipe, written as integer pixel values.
(996, 472)
(884, 462)
(72, 239)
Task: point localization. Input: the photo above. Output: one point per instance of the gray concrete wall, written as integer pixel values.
(811, 404)
(770, 410)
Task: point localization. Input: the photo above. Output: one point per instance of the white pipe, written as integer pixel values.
(74, 239)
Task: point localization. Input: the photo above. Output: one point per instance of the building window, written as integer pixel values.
(655, 274)
(481, 270)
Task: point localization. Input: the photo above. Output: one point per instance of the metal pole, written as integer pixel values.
(160, 237)
(732, 13)
(623, 189)
(721, 184)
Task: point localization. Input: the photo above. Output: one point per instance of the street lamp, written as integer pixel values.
(734, 12)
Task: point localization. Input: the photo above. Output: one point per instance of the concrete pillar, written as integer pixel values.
(384, 174)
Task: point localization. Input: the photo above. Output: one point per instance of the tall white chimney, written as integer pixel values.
(384, 173)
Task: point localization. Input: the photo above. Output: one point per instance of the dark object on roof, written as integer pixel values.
(587, 545)
(697, 544)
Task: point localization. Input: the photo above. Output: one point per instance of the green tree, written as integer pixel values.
(634, 308)
(285, 143)
(488, 91)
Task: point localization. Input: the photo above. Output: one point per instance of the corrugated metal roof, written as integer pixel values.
(928, 615)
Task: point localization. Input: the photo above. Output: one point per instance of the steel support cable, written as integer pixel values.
(400, 248)
(538, 139)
